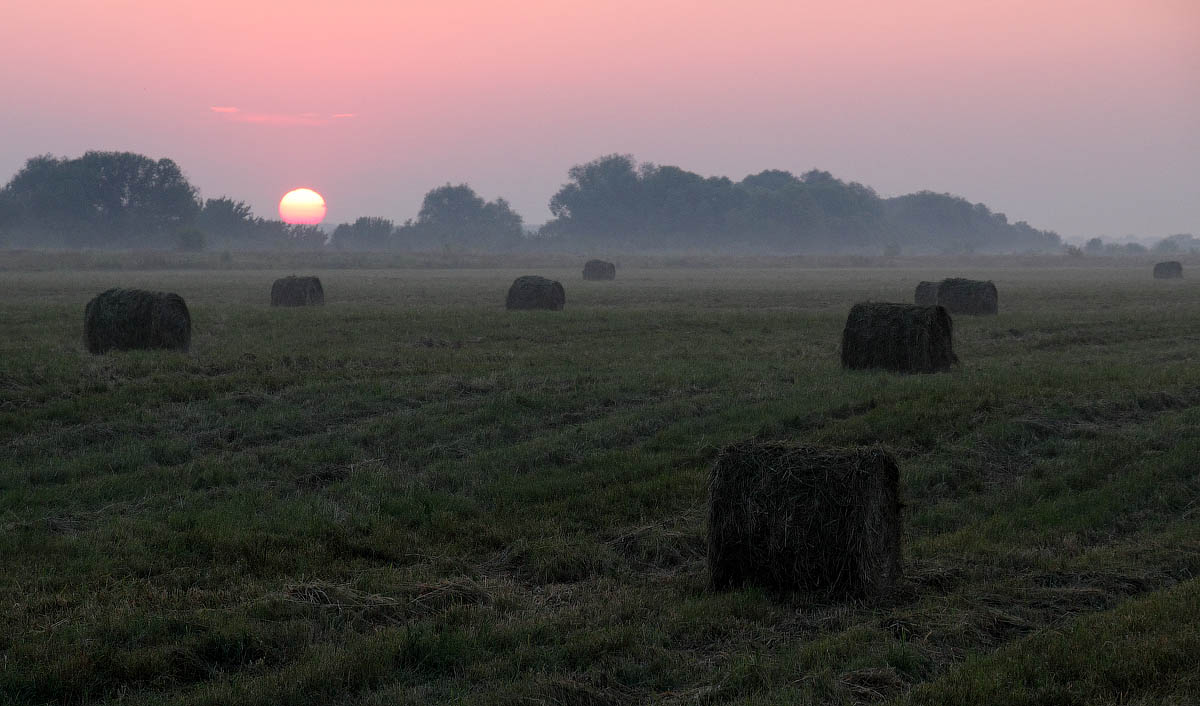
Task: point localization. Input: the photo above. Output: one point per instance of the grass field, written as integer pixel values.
(410, 495)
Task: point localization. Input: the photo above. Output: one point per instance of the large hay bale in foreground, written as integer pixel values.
(926, 294)
(125, 319)
(901, 337)
(297, 291)
(533, 292)
(599, 270)
(968, 296)
(793, 517)
(1172, 269)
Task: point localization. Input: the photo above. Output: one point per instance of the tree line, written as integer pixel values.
(613, 204)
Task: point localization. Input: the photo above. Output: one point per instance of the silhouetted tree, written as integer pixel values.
(455, 217)
(100, 199)
(304, 237)
(366, 233)
(227, 220)
(940, 223)
(614, 202)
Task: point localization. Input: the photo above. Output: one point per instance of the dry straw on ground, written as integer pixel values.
(968, 296)
(926, 294)
(599, 270)
(533, 292)
(297, 291)
(125, 319)
(1172, 269)
(901, 337)
(794, 517)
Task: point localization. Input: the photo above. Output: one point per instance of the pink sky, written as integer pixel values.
(1078, 115)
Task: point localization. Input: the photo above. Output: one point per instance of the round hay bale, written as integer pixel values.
(533, 292)
(902, 337)
(297, 291)
(599, 270)
(926, 294)
(1172, 269)
(968, 296)
(793, 517)
(126, 319)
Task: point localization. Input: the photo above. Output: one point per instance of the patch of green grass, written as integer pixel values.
(1141, 652)
(412, 495)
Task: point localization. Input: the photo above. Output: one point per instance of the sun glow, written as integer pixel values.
(302, 206)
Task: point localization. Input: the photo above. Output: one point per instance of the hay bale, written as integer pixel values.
(599, 270)
(926, 294)
(297, 291)
(1172, 269)
(967, 296)
(901, 337)
(533, 292)
(793, 517)
(125, 319)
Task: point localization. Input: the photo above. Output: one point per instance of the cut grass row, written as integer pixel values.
(343, 505)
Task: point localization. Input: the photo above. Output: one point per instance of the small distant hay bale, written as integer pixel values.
(533, 292)
(297, 291)
(599, 270)
(127, 319)
(901, 337)
(968, 296)
(1172, 269)
(926, 294)
(793, 517)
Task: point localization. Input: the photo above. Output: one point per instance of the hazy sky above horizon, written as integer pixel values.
(1077, 116)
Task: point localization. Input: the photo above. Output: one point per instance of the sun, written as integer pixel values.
(302, 206)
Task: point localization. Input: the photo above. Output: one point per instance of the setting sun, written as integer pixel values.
(302, 206)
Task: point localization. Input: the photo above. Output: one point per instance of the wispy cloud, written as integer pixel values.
(237, 115)
(279, 119)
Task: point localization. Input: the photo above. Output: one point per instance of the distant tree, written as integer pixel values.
(1095, 246)
(771, 180)
(1183, 242)
(603, 199)
(366, 233)
(125, 199)
(101, 198)
(773, 210)
(1167, 246)
(455, 217)
(304, 237)
(614, 202)
(941, 223)
(1130, 248)
(228, 220)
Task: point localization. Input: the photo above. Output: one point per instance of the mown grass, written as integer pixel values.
(412, 496)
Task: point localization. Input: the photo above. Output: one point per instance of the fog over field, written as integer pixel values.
(527, 352)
